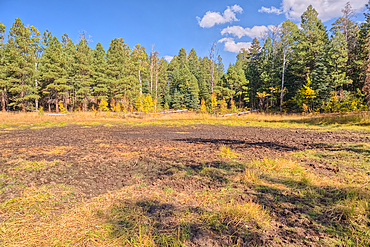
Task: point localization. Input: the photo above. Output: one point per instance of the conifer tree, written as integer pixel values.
(69, 51)
(117, 57)
(349, 28)
(252, 60)
(21, 49)
(3, 74)
(287, 33)
(321, 80)
(140, 59)
(194, 63)
(100, 81)
(338, 60)
(204, 78)
(161, 81)
(53, 72)
(366, 87)
(313, 37)
(84, 71)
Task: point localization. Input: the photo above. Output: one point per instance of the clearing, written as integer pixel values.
(189, 185)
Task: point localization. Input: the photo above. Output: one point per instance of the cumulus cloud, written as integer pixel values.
(272, 10)
(327, 9)
(212, 18)
(239, 31)
(231, 46)
(168, 58)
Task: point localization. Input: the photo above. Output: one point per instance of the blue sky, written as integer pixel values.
(168, 25)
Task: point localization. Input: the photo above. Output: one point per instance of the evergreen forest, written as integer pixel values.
(305, 67)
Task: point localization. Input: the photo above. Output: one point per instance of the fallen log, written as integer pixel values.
(237, 113)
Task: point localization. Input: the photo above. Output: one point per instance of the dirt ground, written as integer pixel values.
(96, 159)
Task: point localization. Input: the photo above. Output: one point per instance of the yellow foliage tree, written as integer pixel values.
(139, 103)
(213, 102)
(61, 107)
(103, 105)
(305, 96)
(113, 105)
(203, 107)
(232, 106)
(223, 106)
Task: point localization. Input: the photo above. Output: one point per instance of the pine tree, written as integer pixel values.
(69, 51)
(184, 82)
(3, 74)
(53, 72)
(204, 78)
(338, 60)
(140, 59)
(237, 84)
(288, 31)
(321, 80)
(194, 63)
(313, 37)
(350, 29)
(117, 57)
(100, 80)
(21, 49)
(161, 79)
(251, 59)
(84, 71)
(366, 87)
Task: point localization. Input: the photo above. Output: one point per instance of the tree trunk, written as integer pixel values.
(23, 103)
(282, 85)
(141, 85)
(151, 71)
(3, 99)
(65, 101)
(56, 106)
(36, 101)
(240, 101)
(49, 107)
(212, 65)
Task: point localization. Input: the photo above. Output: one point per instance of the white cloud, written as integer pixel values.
(168, 58)
(239, 31)
(212, 18)
(231, 46)
(272, 10)
(327, 9)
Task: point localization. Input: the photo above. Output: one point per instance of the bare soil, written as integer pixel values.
(97, 159)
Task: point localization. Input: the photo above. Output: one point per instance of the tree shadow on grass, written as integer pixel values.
(166, 224)
(238, 144)
(314, 212)
(357, 148)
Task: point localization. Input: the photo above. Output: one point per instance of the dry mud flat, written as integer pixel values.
(97, 159)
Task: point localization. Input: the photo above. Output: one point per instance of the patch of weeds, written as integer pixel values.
(284, 166)
(36, 202)
(226, 152)
(168, 190)
(3, 177)
(189, 171)
(241, 217)
(59, 150)
(35, 165)
(102, 145)
(140, 224)
(251, 176)
(214, 174)
(140, 186)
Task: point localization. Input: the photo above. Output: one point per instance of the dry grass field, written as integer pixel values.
(88, 179)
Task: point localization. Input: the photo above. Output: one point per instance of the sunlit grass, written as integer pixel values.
(350, 121)
(226, 152)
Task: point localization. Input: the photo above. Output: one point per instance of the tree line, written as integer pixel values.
(303, 67)
(307, 67)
